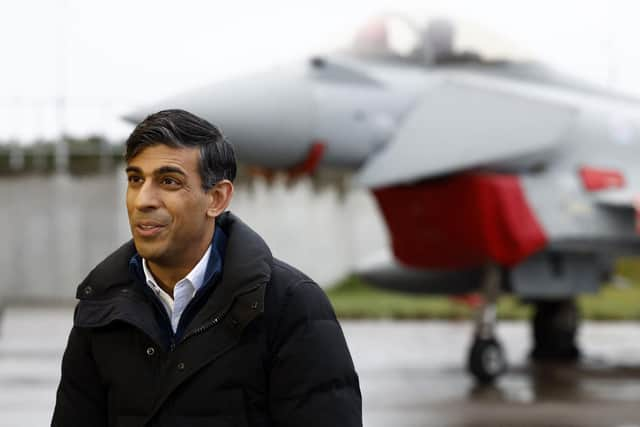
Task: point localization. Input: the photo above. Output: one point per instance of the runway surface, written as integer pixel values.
(412, 374)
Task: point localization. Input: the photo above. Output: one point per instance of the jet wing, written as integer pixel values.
(461, 123)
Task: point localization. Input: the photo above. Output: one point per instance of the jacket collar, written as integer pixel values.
(110, 293)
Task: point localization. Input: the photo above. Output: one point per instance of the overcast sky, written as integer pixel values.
(100, 59)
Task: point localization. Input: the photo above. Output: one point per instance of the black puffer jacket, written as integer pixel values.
(265, 349)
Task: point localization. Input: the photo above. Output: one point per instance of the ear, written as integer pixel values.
(220, 195)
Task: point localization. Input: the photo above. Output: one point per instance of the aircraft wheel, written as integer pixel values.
(554, 331)
(487, 360)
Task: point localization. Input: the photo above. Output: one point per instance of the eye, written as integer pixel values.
(168, 181)
(134, 179)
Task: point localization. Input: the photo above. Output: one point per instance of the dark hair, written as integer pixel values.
(179, 128)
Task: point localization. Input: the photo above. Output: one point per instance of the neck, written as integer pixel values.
(167, 274)
(167, 277)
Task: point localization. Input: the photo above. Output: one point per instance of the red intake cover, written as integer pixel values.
(461, 221)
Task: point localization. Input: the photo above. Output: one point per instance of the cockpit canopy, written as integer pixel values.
(439, 41)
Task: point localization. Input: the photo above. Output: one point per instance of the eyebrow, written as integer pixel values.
(133, 169)
(160, 171)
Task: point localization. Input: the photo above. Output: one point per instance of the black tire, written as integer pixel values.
(487, 360)
(555, 326)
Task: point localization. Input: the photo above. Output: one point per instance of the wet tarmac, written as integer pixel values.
(412, 374)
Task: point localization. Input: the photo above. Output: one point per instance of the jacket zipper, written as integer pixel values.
(200, 329)
(208, 325)
(213, 322)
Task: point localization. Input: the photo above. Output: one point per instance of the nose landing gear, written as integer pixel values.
(555, 325)
(487, 360)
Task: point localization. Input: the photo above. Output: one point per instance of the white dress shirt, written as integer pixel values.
(184, 290)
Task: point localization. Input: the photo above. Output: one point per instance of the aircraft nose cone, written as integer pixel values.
(266, 116)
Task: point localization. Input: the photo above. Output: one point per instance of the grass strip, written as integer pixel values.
(354, 299)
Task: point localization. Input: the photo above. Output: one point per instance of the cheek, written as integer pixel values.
(130, 198)
(190, 212)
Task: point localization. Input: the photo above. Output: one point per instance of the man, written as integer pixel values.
(193, 322)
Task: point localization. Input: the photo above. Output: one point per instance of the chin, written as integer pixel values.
(149, 251)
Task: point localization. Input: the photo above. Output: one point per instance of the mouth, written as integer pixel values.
(148, 229)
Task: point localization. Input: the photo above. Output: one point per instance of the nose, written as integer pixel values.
(145, 197)
(266, 116)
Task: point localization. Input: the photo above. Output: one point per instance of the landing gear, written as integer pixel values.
(555, 325)
(487, 360)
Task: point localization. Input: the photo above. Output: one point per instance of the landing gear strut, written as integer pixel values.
(487, 360)
(555, 324)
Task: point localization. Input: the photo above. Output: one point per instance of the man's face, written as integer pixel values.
(169, 212)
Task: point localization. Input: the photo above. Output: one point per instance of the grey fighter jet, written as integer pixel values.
(493, 174)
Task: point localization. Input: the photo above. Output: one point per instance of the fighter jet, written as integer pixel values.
(493, 174)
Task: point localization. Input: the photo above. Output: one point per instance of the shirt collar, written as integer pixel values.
(195, 277)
